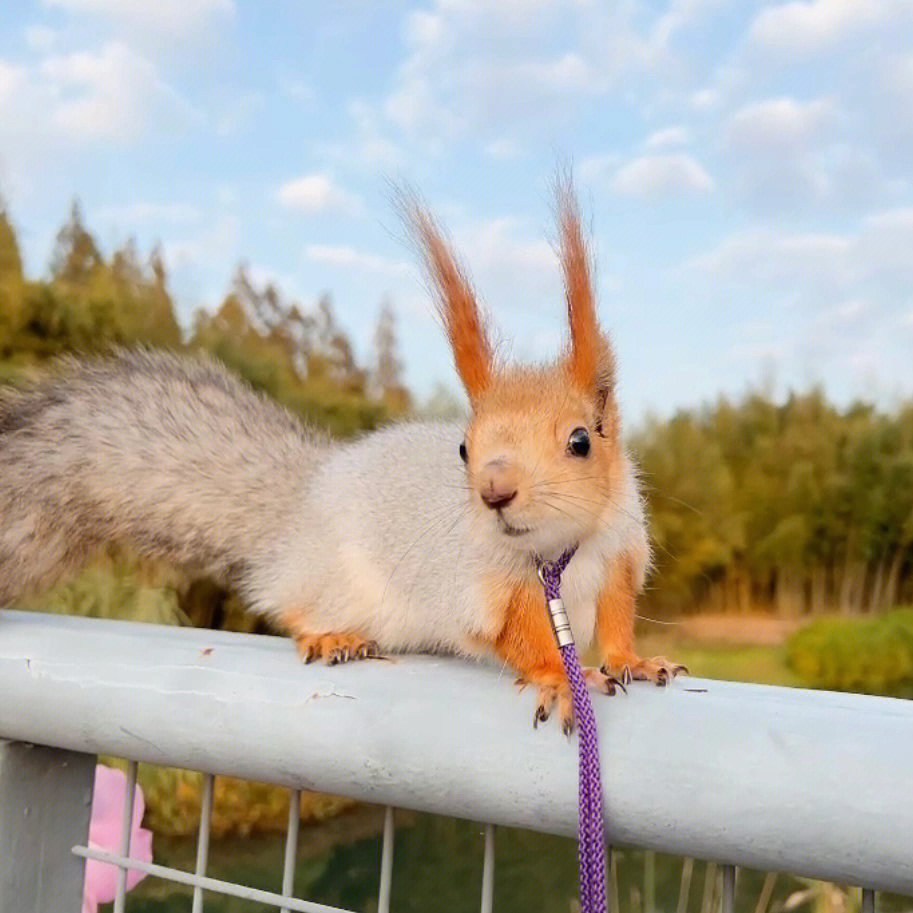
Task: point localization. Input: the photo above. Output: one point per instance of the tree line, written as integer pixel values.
(795, 507)
(89, 303)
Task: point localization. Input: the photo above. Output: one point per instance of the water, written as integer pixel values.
(438, 869)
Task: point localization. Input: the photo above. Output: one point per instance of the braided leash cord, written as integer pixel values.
(590, 823)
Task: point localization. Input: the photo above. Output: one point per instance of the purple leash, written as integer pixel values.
(591, 851)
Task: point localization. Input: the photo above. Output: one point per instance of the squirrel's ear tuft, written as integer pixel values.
(455, 299)
(591, 362)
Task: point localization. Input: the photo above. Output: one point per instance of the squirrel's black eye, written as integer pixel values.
(579, 442)
(464, 456)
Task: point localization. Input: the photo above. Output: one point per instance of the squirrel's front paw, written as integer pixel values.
(658, 670)
(335, 648)
(552, 690)
(556, 692)
(551, 696)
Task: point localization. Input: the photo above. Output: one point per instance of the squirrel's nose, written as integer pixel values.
(498, 484)
(498, 499)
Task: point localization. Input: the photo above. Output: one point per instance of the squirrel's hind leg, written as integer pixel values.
(332, 648)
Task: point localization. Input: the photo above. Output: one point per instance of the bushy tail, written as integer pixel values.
(173, 456)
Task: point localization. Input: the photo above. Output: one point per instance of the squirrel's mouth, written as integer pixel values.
(510, 530)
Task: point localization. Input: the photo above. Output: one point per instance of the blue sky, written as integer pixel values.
(747, 169)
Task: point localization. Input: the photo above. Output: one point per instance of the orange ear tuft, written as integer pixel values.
(456, 303)
(590, 364)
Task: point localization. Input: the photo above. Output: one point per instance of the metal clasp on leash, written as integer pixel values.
(558, 614)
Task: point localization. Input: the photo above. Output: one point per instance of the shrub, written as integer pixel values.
(869, 655)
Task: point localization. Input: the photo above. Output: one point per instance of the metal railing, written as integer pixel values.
(817, 784)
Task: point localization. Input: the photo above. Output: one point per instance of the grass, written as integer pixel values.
(764, 664)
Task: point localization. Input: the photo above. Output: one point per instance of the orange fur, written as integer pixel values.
(615, 631)
(526, 640)
(590, 364)
(615, 616)
(457, 305)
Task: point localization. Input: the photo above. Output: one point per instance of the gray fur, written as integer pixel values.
(173, 456)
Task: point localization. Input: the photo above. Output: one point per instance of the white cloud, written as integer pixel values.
(652, 175)
(885, 244)
(801, 27)
(12, 80)
(488, 65)
(502, 149)
(784, 150)
(885, 105)
(779, 123)
(114, 94)
(493, 244)
(766, 256)
(669, 136)
(348, 258)
(141, 213)
(40, 38)
(369, 145)
(680, 14)
(216, 244)
(298, 90)
(178, 18)
(598, 169)
(512, 267)
(316, 193)
(850, 311)
(109, 95)
(239, 112)
(879, 250)
(704, 99)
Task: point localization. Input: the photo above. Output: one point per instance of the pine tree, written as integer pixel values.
(386, 375)
(76, 255)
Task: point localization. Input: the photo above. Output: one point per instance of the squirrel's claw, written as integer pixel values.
(658, 670)
(549, 696)
(335, 648)
(600, 680)
(540, 716)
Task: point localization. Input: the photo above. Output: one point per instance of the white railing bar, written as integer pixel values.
(386, 863)
(868, 900)
(727, 904)
(766, 778)
(203, 839)
(209, 884)
(126, 827)
(291, 845)
(488, 870)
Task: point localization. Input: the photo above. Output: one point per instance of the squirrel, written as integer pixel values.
(422, 536)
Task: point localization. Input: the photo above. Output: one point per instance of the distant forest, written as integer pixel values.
(89, 303)
(794, 508)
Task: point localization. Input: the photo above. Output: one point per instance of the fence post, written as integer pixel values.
(45, 803)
